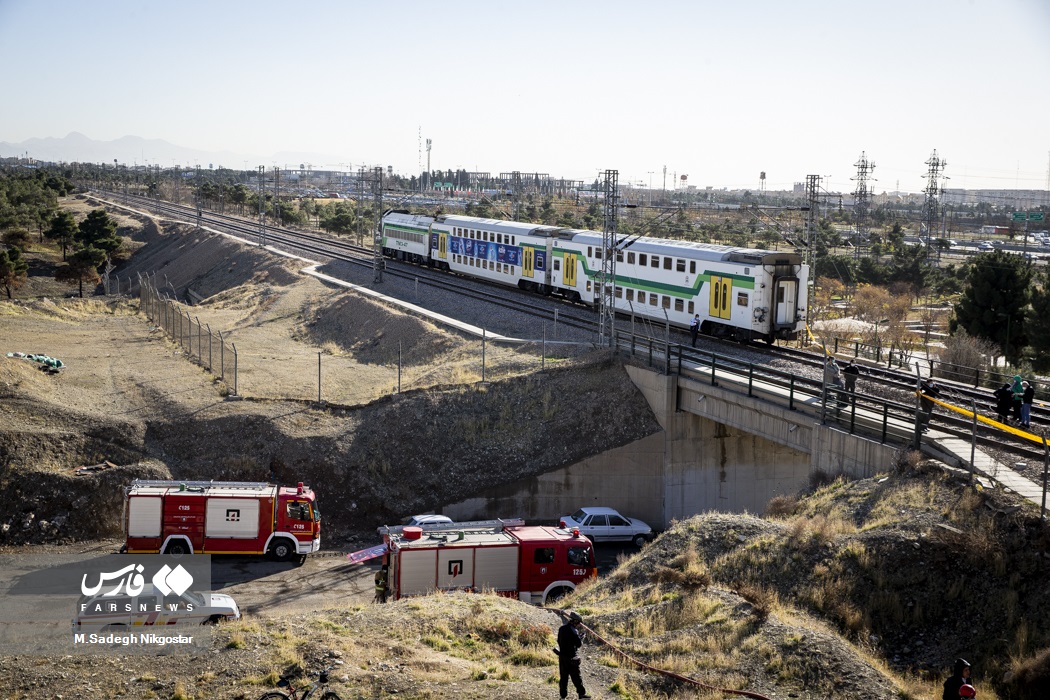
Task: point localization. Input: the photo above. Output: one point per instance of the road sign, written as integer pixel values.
(1035, 216)
(1020, 216)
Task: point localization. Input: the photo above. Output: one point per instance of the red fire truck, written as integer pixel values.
(536, 564)
(221, 517)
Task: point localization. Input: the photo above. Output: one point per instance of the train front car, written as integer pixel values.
(778, 297)
(738, 293)
(407, 237)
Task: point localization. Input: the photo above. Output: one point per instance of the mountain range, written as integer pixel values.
(135, 150)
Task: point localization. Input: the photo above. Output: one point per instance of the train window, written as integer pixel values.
(641, 258)
(630, 258)
(512, 239)
(747, 270)
(588, 285)
(619, 256)
(654, 299)
(692, 267)
(618, 292)
(666, 302)
(667, 263)
(598, 253)
(630, 295)
(459, 231)
(557, 265)
(641, 297)
(655, 261)
(499, 237)
(690, 311)
(679, 305)
(741, 299)
(590, 253)
(679, 265)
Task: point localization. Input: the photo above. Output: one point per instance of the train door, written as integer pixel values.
(569, 276)
(443, 245)
(528, 261)
(786, 302)
(721, 288)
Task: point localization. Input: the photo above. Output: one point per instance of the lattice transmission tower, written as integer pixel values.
(862, 201)
(931, 204)
(607, 277)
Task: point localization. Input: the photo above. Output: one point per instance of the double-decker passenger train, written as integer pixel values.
(741, 293)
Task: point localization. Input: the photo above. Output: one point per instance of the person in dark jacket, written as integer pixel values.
(929, 390)
(1004, 401)
(960, 677)
(569, 643)
(1026, 403)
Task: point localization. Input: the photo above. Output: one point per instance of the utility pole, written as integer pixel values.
(933, 191)
(377, 238)
(428, 165)
(262, 217)
(861, 201)
(607, 277)
(199, 213)
(276, 195)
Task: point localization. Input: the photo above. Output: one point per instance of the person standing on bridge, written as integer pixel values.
(1026, 403)
(1004, 400)
(851, 372)
(928, 391)
(1018, 392)
(694, 328)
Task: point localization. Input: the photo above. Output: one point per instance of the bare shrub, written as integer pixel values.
(963, 355)
(781, 506)
(764, 600)
(1029, 677)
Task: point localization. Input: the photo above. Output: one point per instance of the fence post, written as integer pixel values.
(222, 357)
(318, 377)
(235, 369)
(399, 366)
(211, 368)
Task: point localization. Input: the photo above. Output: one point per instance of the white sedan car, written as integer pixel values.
(607, 525)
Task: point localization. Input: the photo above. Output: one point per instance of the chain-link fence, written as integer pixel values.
(268, 369)
(196, 339)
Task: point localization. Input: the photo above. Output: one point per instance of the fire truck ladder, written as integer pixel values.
(472, 526)
(185, 485)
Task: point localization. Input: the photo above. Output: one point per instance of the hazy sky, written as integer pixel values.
(719, 90)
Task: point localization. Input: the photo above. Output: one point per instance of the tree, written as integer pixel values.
(63, 229)
(13, 269)
(99, 231)
(1037, 321)
(82, 267)
(993, 303)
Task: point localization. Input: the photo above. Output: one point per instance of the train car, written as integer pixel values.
(532, 257)
(407, 237)
(741, 293)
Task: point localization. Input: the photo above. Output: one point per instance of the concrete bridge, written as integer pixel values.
(729, 443)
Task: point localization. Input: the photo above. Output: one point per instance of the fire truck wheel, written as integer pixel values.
(556, 595)
(282, 549)
(177, 548)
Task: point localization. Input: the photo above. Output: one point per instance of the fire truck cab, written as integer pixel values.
(215, 517)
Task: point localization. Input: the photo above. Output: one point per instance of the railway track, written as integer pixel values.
(895, 386)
